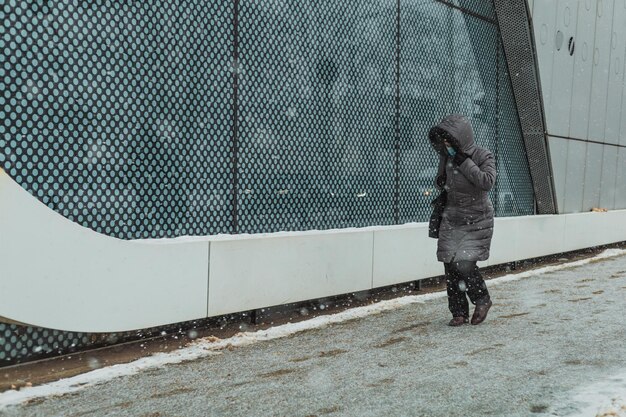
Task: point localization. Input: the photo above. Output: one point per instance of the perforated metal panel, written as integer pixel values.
(139, 100)
(460, 69)
(18, 343)
(24, 343)
(158, 119)
(440, 74)
(316, 115)
(514, 194)
(117, 114)
(513, 21)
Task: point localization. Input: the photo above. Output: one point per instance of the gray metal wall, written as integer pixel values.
(581, 49)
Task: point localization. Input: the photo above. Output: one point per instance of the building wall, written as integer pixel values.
(357, 107)
(581, 50)
(202, 118)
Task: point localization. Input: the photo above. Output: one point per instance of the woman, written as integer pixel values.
(466, 172)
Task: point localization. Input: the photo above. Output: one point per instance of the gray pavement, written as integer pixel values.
(545, 336)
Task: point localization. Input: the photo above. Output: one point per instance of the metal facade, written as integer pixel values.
(517, 38)
(160, 120)
(581, 52)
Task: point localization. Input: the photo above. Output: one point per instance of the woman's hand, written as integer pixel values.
(460, 157)
(483, 176)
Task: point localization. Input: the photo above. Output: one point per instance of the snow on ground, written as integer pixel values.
(254, 236)
(212, 346)
(605, 398)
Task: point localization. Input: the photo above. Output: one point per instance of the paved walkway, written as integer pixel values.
(546, 338)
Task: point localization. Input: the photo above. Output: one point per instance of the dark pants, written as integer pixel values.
(462, 277)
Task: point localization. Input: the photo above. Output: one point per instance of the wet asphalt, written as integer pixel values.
(545, 336)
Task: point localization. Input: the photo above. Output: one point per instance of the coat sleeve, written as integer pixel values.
(482, 176)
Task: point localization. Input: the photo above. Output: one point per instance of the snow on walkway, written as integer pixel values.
(605, 398)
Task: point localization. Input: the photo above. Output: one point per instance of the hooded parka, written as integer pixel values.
(467, 223)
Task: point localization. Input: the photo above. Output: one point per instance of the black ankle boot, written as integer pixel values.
(480, 313)
(458, 321)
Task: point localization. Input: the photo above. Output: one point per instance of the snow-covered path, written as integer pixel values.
(554, 344)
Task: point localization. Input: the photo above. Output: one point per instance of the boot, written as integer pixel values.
(458, 321)
(480, 312)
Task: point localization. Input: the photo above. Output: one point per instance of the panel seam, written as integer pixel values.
(373, 256)
(587, 141)
(235, 132)
(593, 53)
(208, 278)
(396, 209)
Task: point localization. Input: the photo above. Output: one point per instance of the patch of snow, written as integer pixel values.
(313, 232)
(609, 253)
(213, 346)
(601, 399)
(252, 236)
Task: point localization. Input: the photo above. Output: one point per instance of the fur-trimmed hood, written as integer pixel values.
(457, 130)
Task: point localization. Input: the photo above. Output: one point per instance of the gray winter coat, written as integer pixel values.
(467, 224)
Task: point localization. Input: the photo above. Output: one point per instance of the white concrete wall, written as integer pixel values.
(260, 272)
(584, 94)
(57, 274)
